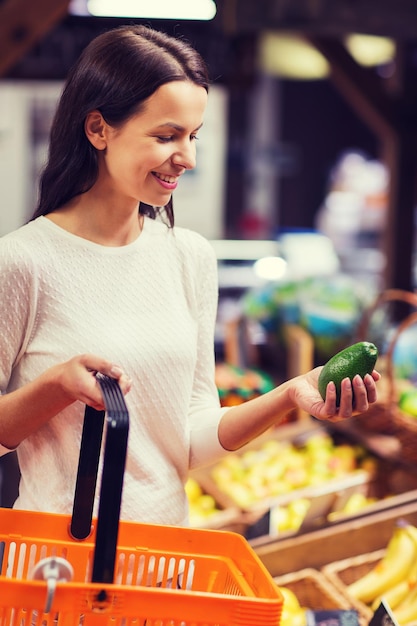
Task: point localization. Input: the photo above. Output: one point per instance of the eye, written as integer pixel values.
(165, 139)
(194, 136)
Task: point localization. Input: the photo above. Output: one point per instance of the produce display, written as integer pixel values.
(279, 467)
(237, 384)
(202, 506)
(359, 358)
(356, 503)
(393, 577)
(311, 600)
(293, 614)
(290, 518)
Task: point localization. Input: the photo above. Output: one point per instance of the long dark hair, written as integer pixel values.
(115, 74)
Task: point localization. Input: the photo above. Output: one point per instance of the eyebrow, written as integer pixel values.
(176, 126)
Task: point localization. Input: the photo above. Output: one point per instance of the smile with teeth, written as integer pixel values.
(165, 178)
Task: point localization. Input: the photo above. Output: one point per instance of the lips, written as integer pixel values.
(165, 178)
(167, 182)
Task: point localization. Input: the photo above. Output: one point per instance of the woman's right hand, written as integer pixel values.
(78, 381)
(25, 410)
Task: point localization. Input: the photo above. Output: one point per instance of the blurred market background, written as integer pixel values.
(307, 159)
(305, 186)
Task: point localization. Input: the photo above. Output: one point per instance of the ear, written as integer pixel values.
(95, 128)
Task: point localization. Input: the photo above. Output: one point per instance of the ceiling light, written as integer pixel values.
(370, 50)
(291, 56)
(158, 9)
(270, 268)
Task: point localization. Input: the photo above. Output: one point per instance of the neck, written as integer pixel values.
(108, 227)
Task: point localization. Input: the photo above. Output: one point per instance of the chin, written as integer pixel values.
(157, 202)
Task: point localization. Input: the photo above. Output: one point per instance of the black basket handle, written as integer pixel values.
(115, 424)
(85, 487)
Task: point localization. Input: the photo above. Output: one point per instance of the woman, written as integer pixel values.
(98, 282)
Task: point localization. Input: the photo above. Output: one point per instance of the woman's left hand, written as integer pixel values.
(355, 398)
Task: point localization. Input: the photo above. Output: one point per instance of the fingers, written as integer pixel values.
(80, 381)
(346, 397)
(355, 396)
(375, 375)
(96, 364)
(371, 389)
(116, 372)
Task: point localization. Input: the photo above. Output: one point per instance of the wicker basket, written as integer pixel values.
(385, 416)
(342, 573)
(317, 592)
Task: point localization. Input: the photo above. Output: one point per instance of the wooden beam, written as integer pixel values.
(23, 23)
(392, 116)
(336, 18)
(360, 87)
(401, 159)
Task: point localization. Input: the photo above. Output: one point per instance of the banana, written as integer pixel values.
(394, 567)
(406, 608)
(399, 592)
(406, 611)
(393, 596)
(293, 614)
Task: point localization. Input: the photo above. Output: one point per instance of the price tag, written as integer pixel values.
(334, 617)
(383, 616)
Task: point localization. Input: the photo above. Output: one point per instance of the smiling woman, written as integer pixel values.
(112, 96)
(102, 281)
(155, 145)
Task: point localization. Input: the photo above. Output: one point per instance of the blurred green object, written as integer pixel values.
(404, 357)
(328, 307)
(408, 402)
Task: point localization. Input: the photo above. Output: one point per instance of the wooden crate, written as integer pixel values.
(358, 536)
(313, 590)
(342, 573)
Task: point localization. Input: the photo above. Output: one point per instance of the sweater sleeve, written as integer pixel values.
(205, 411)
(17, 308)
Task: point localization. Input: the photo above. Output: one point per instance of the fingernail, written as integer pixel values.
(116, 371)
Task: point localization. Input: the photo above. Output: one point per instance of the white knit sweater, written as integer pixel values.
(150, 307)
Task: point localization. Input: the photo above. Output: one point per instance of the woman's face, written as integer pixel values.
(143, 159)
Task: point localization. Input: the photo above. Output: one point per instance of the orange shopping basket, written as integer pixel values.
(75, 570)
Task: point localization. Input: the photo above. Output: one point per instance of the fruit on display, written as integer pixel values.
(406, 611)
(408, 401)
(394, 577)
(397, 593)
(359, 358)
(289, 517)
(354, 504)
(293, 614)
(278, 467)
(201, 505)
(236, 384)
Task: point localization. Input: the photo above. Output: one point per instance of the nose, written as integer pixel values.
(185, 156)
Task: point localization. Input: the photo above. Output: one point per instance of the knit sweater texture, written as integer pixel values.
(150, 307)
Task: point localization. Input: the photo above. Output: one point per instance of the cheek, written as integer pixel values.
(124, 164)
